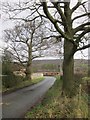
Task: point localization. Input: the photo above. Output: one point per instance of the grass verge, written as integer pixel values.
(55, 106)
(22, 84)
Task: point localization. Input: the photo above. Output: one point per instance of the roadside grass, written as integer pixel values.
(54, 105)
(22, 83)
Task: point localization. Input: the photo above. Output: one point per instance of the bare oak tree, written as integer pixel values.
(25, 43)
(73, 36)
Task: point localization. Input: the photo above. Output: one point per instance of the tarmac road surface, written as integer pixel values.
(16, 104)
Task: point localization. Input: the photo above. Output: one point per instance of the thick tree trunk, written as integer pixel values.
(68, 69)
(28, 71)
(68, 63)
(29, 63)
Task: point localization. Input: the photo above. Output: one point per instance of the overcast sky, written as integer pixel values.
(4, 25)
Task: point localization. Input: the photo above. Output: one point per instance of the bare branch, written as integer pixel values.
(24, 19)
(84, 47)
(82, 27)
(77, 5)
(45, 9)
(57, 6)
(83, 15)
(87, 30)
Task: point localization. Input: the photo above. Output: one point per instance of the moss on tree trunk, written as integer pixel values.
(68, 69)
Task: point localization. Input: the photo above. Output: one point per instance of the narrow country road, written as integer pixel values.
(16, 104)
